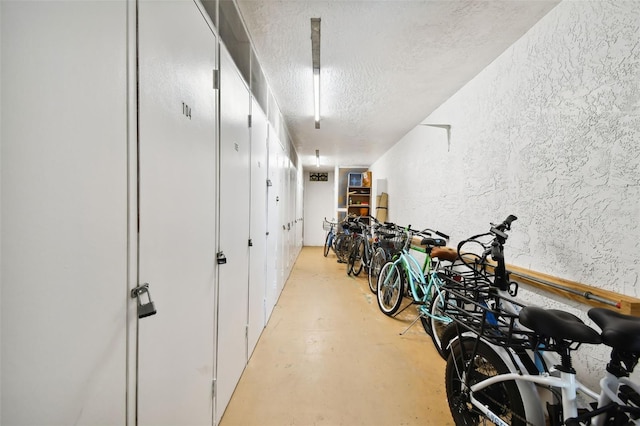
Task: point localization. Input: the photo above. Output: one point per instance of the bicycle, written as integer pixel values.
(502, 363)
(472, 270)
(390, 240)
(330, 238)
(360, 253)
(403, 276)
(492, 375)
(344, 240)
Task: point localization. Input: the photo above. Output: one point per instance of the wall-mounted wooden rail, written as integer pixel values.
(579, 292)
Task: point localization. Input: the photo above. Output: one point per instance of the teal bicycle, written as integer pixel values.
(403, 276)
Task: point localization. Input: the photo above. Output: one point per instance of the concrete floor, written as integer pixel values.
(329, 356)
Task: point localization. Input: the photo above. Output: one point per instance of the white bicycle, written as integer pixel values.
(501, 369)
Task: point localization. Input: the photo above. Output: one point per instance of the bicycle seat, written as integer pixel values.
(433, 242)
(558, 325)
(445, 253)
(619, 331)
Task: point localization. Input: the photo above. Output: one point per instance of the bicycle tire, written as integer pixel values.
(390, 288)
(342, 245)
(441, 332)
(350, 257)
(378, 260)
(327, 243)
(503, 398)
(358, 253)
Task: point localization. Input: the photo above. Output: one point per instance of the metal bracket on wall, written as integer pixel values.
(447, 127)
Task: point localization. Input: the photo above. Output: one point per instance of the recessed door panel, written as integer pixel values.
(177, 211)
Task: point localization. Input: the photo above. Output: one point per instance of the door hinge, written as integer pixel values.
(216, 79)
(213, 387)
(249, 120)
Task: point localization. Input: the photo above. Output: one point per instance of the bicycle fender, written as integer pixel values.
(533, 406)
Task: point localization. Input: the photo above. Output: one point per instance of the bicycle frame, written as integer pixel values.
(417, 278)
(566, 382)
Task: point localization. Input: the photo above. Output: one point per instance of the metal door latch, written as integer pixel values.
(144, 309)
(221, 258)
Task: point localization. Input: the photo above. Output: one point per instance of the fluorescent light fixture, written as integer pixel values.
(317, 158)
(315, 56)
(316, 96)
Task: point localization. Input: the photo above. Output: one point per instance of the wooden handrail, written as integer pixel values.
(573, 290)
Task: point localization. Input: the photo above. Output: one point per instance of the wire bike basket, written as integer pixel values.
(392, 240)
(327, 226)
(478, 308)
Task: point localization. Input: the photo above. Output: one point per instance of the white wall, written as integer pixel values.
(319, 200)
(548, 132)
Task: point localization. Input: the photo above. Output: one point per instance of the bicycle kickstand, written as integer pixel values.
(411, 325)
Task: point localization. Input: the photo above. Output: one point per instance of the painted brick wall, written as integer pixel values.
(550, 132)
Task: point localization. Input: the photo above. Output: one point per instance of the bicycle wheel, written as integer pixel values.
(342, 246)
(358, 257)
(440, 329)
(503, 398)
(390, 288)
(351, 256)
(379, 259)
(327, 243)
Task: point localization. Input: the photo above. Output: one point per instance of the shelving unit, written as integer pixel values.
(343, 185)
(359, 194)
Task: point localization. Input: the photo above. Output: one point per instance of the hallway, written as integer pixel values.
(328, 356)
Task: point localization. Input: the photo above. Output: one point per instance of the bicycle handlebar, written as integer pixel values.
(498, 230)
(496, 249)
(438, 233)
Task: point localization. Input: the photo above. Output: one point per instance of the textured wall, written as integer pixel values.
(550, 132)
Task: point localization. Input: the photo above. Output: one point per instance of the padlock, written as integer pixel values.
(147, 309)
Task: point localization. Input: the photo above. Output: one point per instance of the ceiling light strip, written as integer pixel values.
(315, 55)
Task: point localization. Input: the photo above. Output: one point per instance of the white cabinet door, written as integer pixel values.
(64, 213)
(274, 229)
(257, 271)
(234, 231)
(177, 212)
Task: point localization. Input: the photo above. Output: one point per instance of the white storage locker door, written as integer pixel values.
(273, 222)
(258, 251)
(283, 248)
(233, 276)
(64, 213)
(177, 172)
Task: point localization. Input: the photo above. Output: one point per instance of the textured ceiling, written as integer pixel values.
(385, 64)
